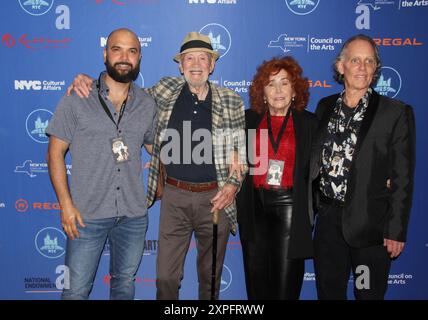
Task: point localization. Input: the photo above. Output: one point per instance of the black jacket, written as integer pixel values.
(305, 124)
(385, 149)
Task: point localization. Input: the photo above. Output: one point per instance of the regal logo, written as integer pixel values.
(397, 42)
(46, 206)
(21, 205)
(318, 84)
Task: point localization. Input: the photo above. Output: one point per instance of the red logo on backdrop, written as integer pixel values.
(36, 43)
(397, 42)
(234, 245)
(21, 205)
(8, 40)
(319, 84)
(106, 279)
(46, 206)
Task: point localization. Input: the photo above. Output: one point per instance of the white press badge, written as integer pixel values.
(275, 172)
(120, 150)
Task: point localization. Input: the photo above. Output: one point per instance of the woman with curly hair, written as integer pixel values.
(273, 207)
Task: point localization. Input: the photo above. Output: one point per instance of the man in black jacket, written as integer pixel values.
(362, 163)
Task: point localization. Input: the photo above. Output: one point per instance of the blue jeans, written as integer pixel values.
(126, 238)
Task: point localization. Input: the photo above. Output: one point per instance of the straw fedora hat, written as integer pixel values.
(195, 41)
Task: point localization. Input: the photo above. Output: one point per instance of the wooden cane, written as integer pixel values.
(214, 256)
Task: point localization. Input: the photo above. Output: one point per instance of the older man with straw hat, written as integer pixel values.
(203, 176)
(195, 190)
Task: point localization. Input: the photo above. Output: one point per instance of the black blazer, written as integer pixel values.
(385, 150)
(305, 124)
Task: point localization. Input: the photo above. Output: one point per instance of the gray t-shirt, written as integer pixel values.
(101, 188)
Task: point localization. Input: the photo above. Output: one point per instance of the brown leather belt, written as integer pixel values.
(193, 187)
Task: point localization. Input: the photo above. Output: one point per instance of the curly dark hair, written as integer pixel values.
(272, 67)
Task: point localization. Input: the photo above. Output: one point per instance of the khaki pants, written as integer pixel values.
(182, 213)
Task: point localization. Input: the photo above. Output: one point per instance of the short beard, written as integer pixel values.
(196, 84)
(127, 77)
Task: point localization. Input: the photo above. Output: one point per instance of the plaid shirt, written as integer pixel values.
(228, 130)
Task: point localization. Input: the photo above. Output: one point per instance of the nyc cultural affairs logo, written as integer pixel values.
(36, 7)
(389, 82)
(36, 124)
(220, 37)
(50, 242)
(140, 81)
(226, 278)
(302, 7)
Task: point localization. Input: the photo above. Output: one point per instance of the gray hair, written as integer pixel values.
(339, 77)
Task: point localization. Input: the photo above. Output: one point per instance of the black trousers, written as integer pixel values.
(334, 260)
(269, 274)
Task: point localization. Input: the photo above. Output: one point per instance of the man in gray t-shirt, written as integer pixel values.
(106, 198)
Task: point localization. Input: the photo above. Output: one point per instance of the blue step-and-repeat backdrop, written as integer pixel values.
(45, 43)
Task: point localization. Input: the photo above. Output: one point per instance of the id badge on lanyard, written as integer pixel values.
(275, 172)
(119, 147)
(120, 150)
(276, 167)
